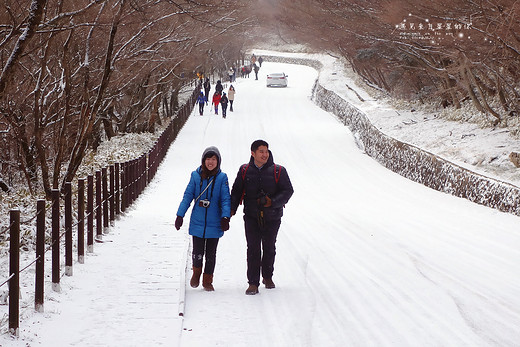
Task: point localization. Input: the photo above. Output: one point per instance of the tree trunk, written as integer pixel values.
(35, 17)
(483, 96)
(62, 141)
(79, 149)
(39, 127)
(4, 186)
(469, 88)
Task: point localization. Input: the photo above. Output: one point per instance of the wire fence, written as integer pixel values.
(101, 197)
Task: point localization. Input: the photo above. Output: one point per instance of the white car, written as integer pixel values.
(277, 79)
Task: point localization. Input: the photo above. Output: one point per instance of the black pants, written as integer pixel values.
(224, 109)
(261, 248)
(201, 108)
(231, 105)
(207, 247)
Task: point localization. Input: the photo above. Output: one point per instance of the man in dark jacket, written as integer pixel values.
(265, 188)
(207, 87)
(219, 87)
(224, 102)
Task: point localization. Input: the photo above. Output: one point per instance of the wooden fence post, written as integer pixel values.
(14, 273)
(81, 220)
(117, 188)
(105, 197)
(132, 182)
(68, 229)
(123, 187)
(142, 174)
(40, 256)
(99, 203)
(150, 161)
(56, 240)
(111, 194)
(90, 213)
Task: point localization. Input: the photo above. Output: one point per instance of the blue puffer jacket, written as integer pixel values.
(205, 222)
(201, 99)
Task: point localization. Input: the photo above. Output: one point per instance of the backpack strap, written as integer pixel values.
(243, 169)
(277, 172)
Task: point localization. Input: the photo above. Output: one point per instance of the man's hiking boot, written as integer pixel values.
(252, 290)
(268, 282)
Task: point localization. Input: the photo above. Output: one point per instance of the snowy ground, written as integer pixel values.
(365, 257)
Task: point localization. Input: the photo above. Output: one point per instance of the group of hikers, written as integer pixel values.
(245, 70)
(219, 97)
(264, 188)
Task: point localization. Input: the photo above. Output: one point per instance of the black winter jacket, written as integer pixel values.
(219, 87)
(224, 100)
(258, 182)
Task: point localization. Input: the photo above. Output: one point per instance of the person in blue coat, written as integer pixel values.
(209, 189)
(201, 100)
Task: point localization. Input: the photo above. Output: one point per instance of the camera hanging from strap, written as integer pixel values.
(209, 184)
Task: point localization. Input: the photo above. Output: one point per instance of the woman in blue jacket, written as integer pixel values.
(201, 100)
(209, 188)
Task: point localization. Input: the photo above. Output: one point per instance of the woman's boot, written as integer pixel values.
(207, 281)
(195, 279)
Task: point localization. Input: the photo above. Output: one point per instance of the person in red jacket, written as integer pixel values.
(216, 101)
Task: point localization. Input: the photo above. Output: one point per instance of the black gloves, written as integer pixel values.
(224, 223)
(178, 222)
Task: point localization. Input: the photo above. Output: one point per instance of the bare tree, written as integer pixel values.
(79, 71)
(444, 51)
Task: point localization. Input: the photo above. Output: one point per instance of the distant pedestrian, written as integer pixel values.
(231, 96)
(216, 101)
(209, 189)
(207, 87)
(219, 87)
(201, 100)
(260, 60)
(256, 68)
(253, 59)
(224, 102)
(230, 74)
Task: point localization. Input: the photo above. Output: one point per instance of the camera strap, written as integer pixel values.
(210, 182)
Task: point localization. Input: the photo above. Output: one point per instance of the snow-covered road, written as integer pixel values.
(364, 256)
